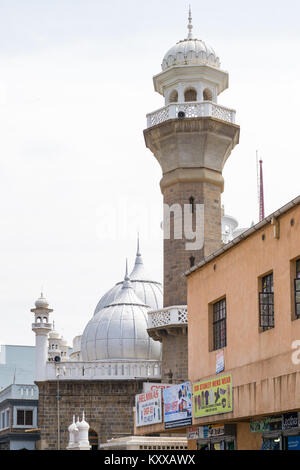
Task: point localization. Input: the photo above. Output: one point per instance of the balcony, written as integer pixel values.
(104, 370)
(170, 320)
(191, 110)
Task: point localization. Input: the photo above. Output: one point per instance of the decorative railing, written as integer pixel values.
(104, 370)
(24, 392)
(191, 110)
(177, 315)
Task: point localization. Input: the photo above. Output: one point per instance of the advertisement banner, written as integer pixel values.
(148, 409)
(212, 397)
(178, 405)
(270, 423)
(149, 386)
(290, 421)
(220, 362)
(294, 443)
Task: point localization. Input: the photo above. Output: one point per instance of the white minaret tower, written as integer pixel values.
(41, 328)
(191, 137)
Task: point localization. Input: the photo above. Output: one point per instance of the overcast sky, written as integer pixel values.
(76, 180)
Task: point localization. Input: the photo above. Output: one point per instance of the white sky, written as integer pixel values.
(75, 86)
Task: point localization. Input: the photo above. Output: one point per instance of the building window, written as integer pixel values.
(266, 303)
(4, 419)
(192, 261)
(207, 95)
(219, 325)
(192, 204)
(24, 417)
(297, 289)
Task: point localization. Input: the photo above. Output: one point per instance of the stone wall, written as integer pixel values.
(175, 358)
(176, 257)
(108, 407)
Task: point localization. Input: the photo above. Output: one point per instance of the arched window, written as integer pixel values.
(192, 261)
(38, 320)
(207, 95)
(173, 98)
(190, 95)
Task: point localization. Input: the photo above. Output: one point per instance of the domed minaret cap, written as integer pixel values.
(41, 302)
(83, 424)
(190, 51)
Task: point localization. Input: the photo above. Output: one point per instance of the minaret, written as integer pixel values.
(192, 136)
(41, 328)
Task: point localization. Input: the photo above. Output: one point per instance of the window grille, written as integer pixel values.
(266, 303)
(219, 325)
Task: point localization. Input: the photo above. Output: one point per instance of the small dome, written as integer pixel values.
(41, 302)
(190, 52)
(150, 292)
(53, 334)
(119, 330)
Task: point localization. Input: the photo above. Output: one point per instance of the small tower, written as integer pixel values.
(41, 328)
(191, 137)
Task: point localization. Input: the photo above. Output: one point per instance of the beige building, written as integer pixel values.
(244, 302)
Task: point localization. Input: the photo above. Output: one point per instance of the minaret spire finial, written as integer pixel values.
(190, 26)
(138, 253)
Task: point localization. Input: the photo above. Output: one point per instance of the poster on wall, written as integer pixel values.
(220, 362)
(178, 405)
(148, 409)
(212, 397)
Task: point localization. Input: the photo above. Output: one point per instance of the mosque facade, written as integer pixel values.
(138, 332)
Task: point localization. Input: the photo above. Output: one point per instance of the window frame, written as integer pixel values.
(219, 325)
(267, 292)
(297, 289)
(25, 409)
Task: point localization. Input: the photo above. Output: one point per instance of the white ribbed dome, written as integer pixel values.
(148, 291)
(119, 330)
(190, 52)
(41, 302)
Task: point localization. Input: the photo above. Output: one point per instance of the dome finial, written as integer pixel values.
(190, 26)
(126, 282)
(138, 253)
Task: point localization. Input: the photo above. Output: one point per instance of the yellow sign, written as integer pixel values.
(212, 397)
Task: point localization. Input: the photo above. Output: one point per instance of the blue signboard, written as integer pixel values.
(294, 443)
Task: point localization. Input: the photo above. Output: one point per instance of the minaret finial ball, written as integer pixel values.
(190, 26)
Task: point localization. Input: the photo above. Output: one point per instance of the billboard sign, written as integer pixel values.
(212, 397)
(178, 405)
(148, 409)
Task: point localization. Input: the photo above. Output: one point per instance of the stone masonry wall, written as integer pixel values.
(175, 358)
(108, 407)
(176, 257)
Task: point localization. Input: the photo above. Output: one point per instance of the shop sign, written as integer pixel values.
(212, 397)
(220, 364)
(148, 409)
(149, 386)
(178, 405)
(211, 430)
(270, 423)
(294, 443)
(192, 433)
(290, 421)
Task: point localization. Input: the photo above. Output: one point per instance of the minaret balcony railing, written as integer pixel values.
(191, 110)
(169, 316)
(104, 370)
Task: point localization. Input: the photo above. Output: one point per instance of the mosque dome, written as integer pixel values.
(41, 302)
(119, 330)
(190, 51)
(148, 291)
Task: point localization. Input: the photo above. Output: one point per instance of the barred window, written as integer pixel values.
(266, 303)
(297, 289)
(219, 325)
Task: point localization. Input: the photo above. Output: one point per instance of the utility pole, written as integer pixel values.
(58, 411)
